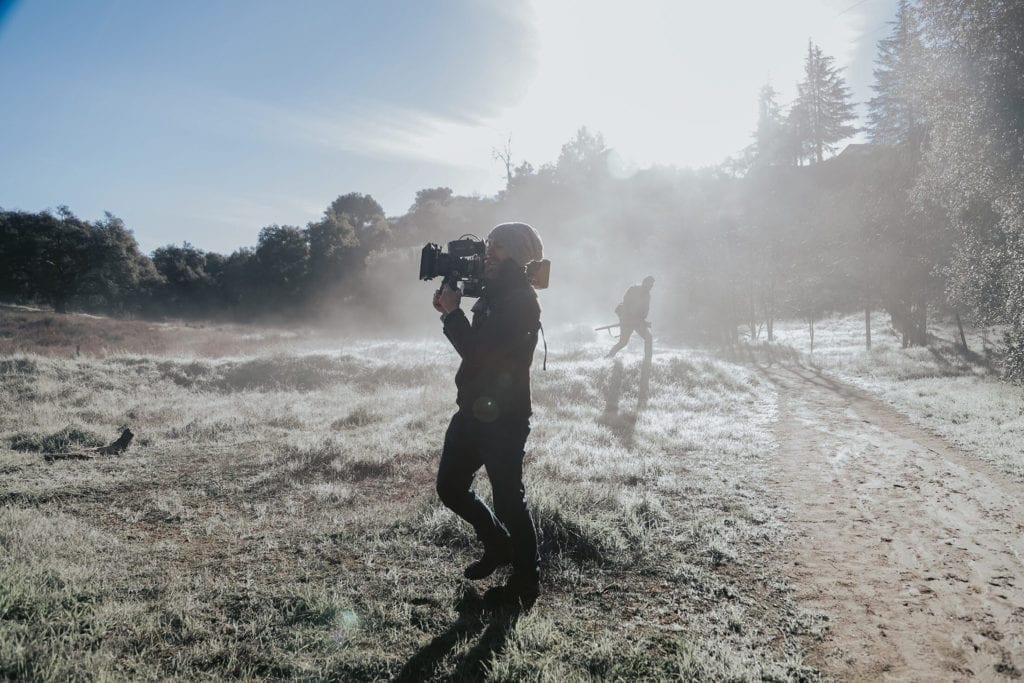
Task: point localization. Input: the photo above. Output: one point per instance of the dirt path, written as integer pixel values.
(915, 550)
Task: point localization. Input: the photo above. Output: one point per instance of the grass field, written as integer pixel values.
(276, 518)
(954, 394)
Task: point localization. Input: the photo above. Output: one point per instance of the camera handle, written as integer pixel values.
(451, 281)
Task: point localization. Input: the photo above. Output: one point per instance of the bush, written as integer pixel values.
(1014, 338)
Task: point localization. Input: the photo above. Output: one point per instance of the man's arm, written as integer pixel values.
(446, 301)
(513, 323)
(454, 324)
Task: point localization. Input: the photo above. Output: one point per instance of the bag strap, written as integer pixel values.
(545, 365)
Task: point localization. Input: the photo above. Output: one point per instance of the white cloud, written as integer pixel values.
(666, 82)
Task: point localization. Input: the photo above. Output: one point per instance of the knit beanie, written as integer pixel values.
(520, 241)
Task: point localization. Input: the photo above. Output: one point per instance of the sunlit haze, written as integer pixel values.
(206, 123)
(666, 82)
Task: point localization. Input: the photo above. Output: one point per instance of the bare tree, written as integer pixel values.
(504, 155)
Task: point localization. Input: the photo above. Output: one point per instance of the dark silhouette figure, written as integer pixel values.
(493, 421)
(622, 424)
(632, 312)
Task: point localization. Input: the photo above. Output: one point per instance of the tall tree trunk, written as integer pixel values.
(867, 327)
(963, 337)
(920, 324)
(771, 328)
(902, 321)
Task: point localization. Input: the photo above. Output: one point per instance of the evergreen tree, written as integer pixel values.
(823, 111)
(894, 116)
(770, 138)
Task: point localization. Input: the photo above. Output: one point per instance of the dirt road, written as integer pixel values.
(914, 549)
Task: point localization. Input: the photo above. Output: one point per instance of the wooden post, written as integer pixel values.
(867, 326)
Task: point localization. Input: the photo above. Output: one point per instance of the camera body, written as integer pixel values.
(464, 262)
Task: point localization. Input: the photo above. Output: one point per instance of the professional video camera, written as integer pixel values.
(464, 263)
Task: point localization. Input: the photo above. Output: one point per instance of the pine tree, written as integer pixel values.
(823, 111)
(770, 136)
(893, 117)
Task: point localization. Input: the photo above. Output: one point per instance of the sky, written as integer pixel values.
(206, 120)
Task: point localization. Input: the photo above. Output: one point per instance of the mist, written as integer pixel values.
(234, 456)
(901, 203)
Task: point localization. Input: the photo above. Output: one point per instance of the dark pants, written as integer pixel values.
(626, 330)
(498, 448)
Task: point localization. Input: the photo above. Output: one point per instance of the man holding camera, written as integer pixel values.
(632, 314)
(492, 423)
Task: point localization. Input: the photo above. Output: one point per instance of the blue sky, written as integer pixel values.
(203, 121)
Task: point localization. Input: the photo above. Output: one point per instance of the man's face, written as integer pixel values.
(494, 255)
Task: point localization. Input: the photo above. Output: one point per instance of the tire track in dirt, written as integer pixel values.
(913, 549)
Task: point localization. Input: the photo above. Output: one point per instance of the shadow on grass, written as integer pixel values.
(762, 353)
(963, 359)
(645, 383)
(474, 617)
(622, 424)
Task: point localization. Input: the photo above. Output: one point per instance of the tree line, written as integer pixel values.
(927, 217)
(58, 259)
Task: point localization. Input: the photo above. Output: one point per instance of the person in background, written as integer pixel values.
(632, 312)
(492, 423)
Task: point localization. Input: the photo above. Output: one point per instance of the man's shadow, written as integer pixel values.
(622, 423)
(644, 390)
(476, 614)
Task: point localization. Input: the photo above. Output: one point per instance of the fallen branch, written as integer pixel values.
(115, 448)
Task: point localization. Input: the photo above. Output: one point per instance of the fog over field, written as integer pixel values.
(225, 389)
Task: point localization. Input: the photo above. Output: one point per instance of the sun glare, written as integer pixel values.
(666, 82)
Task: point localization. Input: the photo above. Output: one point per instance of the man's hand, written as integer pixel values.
(447, 299)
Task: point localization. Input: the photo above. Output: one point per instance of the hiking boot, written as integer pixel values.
(493, 557)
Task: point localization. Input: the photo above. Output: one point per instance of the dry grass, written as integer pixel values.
(957, 395)
(276, 518)
(41, 332)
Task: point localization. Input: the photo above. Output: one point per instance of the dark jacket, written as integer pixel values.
(493, 380)
(635, 305)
